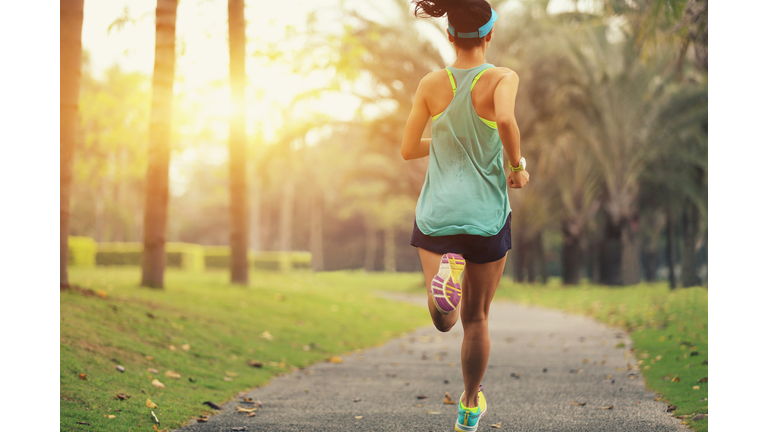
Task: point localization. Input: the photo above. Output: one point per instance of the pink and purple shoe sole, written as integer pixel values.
(446, 285)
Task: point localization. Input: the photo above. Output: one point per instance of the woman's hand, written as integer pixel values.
(516, 180)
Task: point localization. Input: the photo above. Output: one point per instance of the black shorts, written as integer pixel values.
(475, 249)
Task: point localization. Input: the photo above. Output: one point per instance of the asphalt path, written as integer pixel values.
(543, 362)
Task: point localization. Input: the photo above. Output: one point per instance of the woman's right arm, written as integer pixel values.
(504, 106)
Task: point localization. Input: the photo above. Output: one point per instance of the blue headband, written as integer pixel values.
(482, 31)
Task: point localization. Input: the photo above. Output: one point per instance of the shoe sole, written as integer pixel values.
(446, 285)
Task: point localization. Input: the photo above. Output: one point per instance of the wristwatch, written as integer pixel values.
(519, 167)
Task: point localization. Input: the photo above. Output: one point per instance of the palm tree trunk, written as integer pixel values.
(370, 246)
(610, 255)
(286, 215)
(630, 252)
(519, 258)
(156, 207)
(670, 249)
(688, 274)
(238, 186)
(541, 259)
(572, 257)
(71, 52)
(316, 232)
(390, 262)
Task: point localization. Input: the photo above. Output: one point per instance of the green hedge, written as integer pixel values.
(82, 251)
(181, 255)
(218, 256)
(283, 261)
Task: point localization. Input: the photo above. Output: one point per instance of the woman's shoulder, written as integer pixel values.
(499, 72)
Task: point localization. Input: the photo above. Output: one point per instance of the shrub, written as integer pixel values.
(181, 255)
(283, 261)
(218, 256)
(82, 251)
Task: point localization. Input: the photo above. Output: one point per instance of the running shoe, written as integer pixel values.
(469, 418)
(446, 285)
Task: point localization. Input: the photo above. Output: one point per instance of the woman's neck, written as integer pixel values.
(467, 59)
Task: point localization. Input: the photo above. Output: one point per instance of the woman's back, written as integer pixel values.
(465, 188)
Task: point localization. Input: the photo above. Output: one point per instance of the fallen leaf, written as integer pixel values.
(186, 347)
(101, 293)
(241, 428)
(357, 399)
(676, 379)
(232, 374)
(496, 426)
(267, 335)
(336, 359)
(202, 419)
(705, 379)
(250, 414)
(657, 398)
(447, 399)
(120, 368)
(172, 374)
(122, 396)
(227, 379)
(157, 383)
(110, 416)
(213, 405)
(421, 396)
(246, 410)
(699, 417)
(150, 358)
(83, 376)
(696, 387)
(150, 404)
(153, 415)
(606, 408)
(171, 347)
(417, 405)
(358, 417)
(671, 408)
(153, 370)
(255, 364)
(84, 423)
(585, 361)
(434, 412)
(578, 403)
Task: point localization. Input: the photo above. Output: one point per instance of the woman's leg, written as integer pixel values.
(430, 263)
(479, 286)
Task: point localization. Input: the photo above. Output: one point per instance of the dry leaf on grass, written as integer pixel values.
(83, 376)
(447, 399)
(267, 335)
(699, 417)
(110, 416)
(150, 404)
(606, 408)
(83, 423)
(232, 374)
(213, 405)
(101, 293)
(705, 379)
(696, 387)
(578, 403)
(120, 368)
(496, 426)
(155, 417)
(186, 347)
(255, 364)
(157, 383)
(153, 370)
(172, 374)
(122, 396)
(336, 359)
(671, 408)
(676, 379)
(227, 379)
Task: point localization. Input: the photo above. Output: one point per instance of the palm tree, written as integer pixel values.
(156, 208)
(238, 186)
(71, 47)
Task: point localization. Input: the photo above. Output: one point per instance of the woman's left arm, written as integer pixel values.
(414, 146)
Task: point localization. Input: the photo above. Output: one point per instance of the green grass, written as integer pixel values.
(668, 328)
(310, 317)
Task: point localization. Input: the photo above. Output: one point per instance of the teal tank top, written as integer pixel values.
(465, 190)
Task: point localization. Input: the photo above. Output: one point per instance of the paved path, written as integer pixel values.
(559, 358)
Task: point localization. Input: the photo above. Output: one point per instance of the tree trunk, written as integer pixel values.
(688, 274)
(593, 264)
(610, 255)
(71, 53)
(630, 252)
(519, 258)
(390, 264)
(670, 249)
(530, 260)
(286, 215)
(316, 232)
(541, 259)
(256, 242)
(238, 186)
(572, 257)
(156, 207)
(370, 246)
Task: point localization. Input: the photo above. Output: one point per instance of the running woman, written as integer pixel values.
(462, 224)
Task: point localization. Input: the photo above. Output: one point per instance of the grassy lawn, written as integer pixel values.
(669, 332)
(207, 331)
